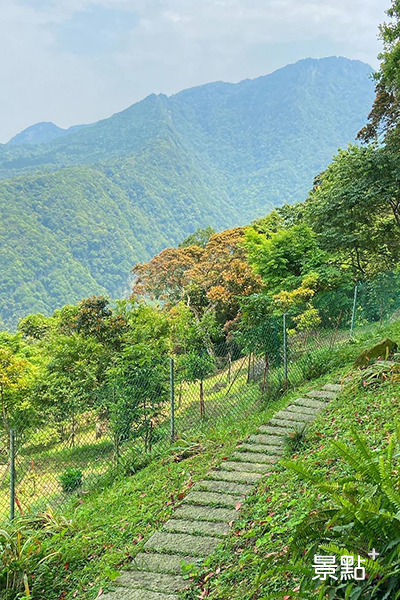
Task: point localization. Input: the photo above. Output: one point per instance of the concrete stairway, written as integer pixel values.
(209, 509)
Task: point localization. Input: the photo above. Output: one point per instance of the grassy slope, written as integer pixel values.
(271, 513)
(109, 523)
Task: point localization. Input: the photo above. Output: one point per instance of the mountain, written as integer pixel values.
(41, 133)
(78, 211)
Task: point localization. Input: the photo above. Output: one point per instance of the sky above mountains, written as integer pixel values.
(77, 61)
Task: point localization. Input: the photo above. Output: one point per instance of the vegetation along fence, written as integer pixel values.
(174, 402)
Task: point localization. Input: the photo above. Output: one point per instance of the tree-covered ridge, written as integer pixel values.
(85, 207)
(69, 233)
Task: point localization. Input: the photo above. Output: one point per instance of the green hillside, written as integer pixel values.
(79, 211)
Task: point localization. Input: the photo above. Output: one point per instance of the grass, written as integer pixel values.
(112, 520)
(271, 513)
(111, 524)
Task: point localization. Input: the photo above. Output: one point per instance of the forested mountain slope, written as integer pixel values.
(77, 212)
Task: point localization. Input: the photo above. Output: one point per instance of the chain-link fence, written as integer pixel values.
(172, 402)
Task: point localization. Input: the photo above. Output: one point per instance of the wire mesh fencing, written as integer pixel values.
(50, 452)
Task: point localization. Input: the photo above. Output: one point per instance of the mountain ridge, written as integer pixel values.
(124, 188)
(41, 133)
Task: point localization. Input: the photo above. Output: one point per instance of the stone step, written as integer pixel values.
(162, 563)
(197, 527)
(237, 476)
(267, 440)
(153, 582)
(280, 428)
(205, 513)
(254, 457)
(319, 404)
(245, 467)
(196, 545)
(287, 416)
(213, 498)
(322, 394)
(261, 448)
(127, 594)
(332, 387)
(303, 410)
(222, 487)
(288, 426)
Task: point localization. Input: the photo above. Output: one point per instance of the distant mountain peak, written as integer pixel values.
(41, 133)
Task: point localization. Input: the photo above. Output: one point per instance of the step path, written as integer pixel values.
(208, 511)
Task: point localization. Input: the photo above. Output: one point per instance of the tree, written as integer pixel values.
(196, 368)
(35, 327)
(222, 277)
(209, 280)
(137, 385)
(165, 276)
(71, 380)
(384, 118)
(354, 209)
(188, 333)
(95, 318)
(285, 257)
(200, 238)
(14, 383)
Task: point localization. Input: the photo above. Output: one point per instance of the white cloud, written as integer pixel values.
(174, 44)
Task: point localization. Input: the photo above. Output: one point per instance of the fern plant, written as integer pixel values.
(362, 512)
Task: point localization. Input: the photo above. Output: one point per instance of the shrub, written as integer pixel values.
(21, 551)
(132, 461)
(71, 479)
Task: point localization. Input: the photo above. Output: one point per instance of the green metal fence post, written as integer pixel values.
(285, 364)
(353, 314)
(172, 398)
(12, 474)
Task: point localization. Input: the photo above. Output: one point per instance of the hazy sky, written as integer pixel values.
(77, 61)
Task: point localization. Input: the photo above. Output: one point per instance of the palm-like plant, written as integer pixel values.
(21, 549)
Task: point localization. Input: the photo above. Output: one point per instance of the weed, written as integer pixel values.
(295, 440)
(71, 479)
